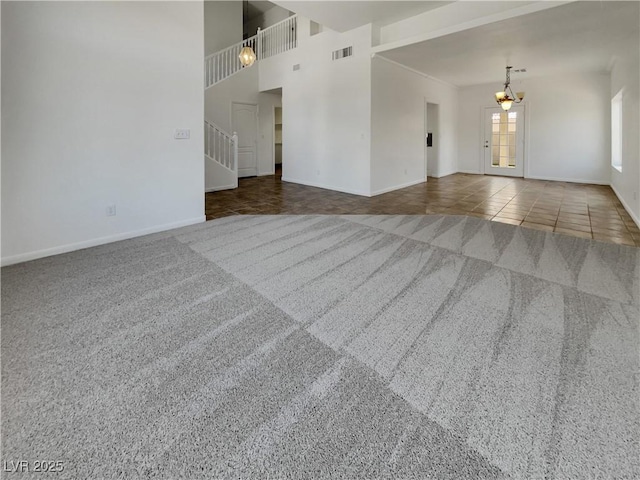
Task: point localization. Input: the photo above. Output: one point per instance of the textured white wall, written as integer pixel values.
(567, 123)
(327, 109)
(433, 126)
(626, 75)
(270, 17)
(398, 116)
(91, 95)
(222, 25)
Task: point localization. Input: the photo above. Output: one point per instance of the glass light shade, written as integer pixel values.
(506, 105)
(247, 56)
(500, 95)
(520, 95)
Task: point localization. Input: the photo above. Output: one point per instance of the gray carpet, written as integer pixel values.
(395, 347)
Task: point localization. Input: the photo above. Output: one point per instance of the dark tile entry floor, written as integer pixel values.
(581, 210)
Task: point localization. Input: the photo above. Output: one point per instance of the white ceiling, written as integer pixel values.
(576, 37)
(346, 15)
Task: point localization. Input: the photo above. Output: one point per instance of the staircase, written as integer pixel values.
(278, 38)
(221, 157)
(220, 147)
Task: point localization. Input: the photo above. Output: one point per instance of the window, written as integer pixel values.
(616, 131)
(503, 141)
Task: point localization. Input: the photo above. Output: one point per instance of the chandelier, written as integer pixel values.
(247, 56)
(506, 98)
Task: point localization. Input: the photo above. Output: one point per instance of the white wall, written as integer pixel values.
(243, 88)
(568, 130)
(222, 25)
(398, 100)
(433, 114)
(272, 16)
(626, 75)
(0, 126)
(326, 108)
(91, 95)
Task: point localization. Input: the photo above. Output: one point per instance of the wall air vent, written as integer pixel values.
(343, 52)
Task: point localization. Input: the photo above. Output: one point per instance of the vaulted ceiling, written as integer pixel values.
(346, 15)
(578, 36)
(575, 37)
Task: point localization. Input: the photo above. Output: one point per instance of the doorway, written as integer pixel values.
(431, 133)
(277, 140)
(244, 121)
(504, 141)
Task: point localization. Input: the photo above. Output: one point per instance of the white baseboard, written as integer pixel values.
(326, 187)
(47, 252)
(445, 174)
(626, 206)
(471, 172)
(398, 187)
(569, 180)
(217, 189)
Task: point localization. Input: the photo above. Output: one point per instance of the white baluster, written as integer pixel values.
(234, 166)
(206, 138)
(259, 52)
(226, 152)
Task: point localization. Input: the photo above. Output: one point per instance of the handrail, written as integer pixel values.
(243, 43)
(221, 146)
(277, 38)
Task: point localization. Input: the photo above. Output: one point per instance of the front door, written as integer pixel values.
(504, 141)
(244, 121)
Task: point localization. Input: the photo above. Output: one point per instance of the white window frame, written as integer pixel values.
(616, 131)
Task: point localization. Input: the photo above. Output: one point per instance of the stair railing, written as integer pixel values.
(278, 38)
(220, 146)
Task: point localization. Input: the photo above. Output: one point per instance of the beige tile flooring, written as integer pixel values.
(589, 211)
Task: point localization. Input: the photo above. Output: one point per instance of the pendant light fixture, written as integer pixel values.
(247, 56)
(506, 98)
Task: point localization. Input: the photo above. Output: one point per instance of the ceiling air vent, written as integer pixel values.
(343, 52)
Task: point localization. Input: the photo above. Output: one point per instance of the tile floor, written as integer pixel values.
(589, 211)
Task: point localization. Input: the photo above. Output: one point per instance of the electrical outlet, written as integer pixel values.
(182, 134)
(111, 211)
